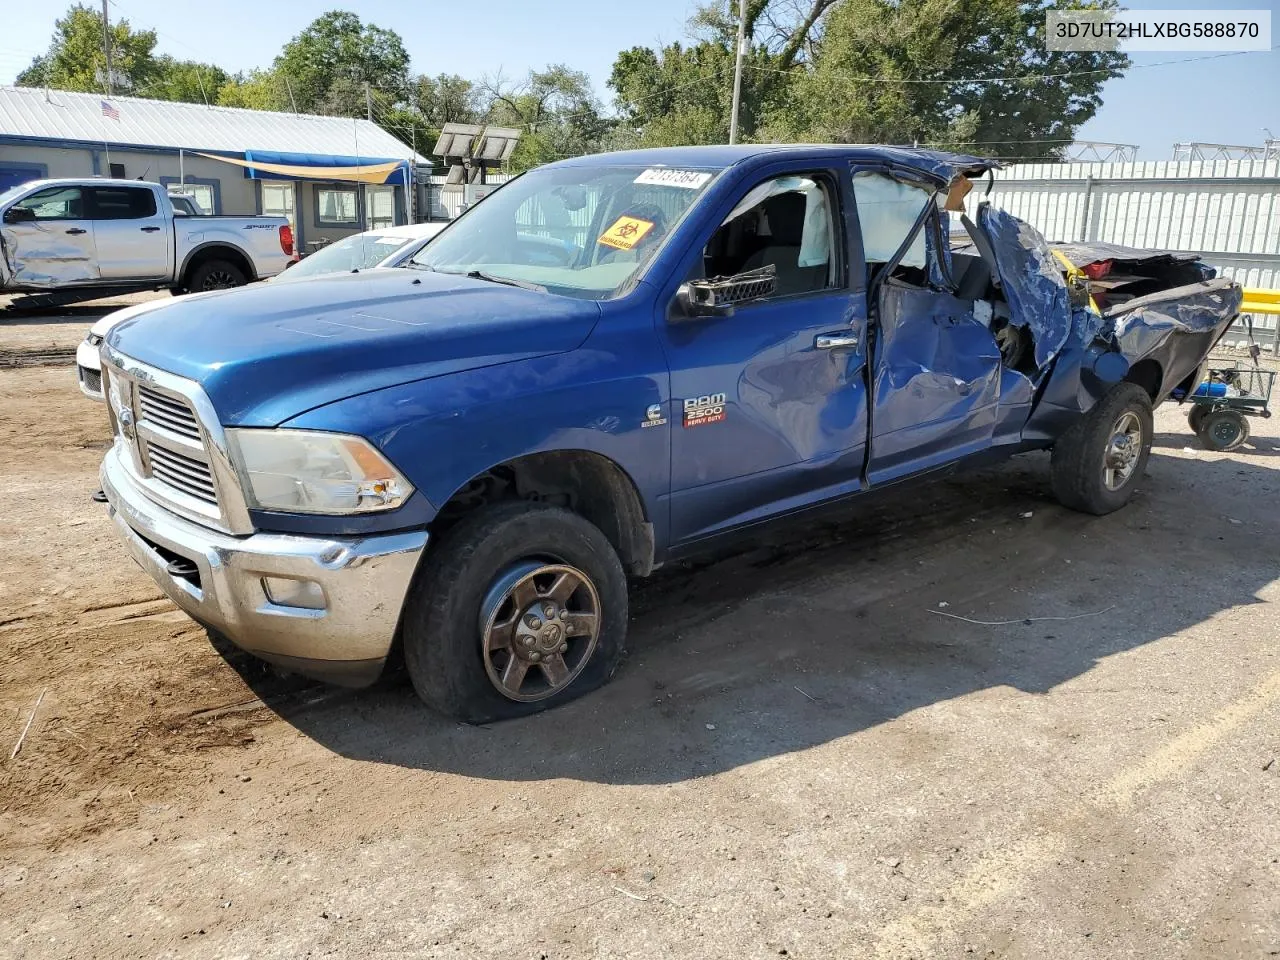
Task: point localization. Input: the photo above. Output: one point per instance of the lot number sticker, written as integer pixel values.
(625, 233)
(688, 179)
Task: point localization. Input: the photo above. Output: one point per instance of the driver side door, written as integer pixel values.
(53, 245)
(769, 408)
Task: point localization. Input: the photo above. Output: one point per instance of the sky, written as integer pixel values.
(1221, 100)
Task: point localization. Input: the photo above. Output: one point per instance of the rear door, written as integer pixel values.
(133, 236)
(936, 371)
(56, 247)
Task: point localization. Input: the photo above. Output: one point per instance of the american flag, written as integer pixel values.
(109, 111)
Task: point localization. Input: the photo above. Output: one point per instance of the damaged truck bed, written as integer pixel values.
(1076, 318)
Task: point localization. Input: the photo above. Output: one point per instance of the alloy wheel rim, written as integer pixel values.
(219, 280)
(1123, 451)
(539, 626)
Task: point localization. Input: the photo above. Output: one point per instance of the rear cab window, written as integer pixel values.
(122, 203)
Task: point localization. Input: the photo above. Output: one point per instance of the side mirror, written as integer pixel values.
(19, 215)
(717, 296)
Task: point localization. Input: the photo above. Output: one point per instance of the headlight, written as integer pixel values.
(303, 471)
(93, 339)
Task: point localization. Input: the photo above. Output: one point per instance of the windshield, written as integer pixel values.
(350, 253)
(585, 232)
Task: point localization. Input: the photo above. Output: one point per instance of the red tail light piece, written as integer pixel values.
(286, 240)
(1096, 271)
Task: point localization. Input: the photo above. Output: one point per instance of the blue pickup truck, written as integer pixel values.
(611, 363)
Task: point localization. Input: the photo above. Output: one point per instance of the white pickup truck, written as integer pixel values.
(68, 240)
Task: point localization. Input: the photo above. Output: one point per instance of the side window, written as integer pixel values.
(887, 210)
(55, 203)
(786, 223)
(123, 203)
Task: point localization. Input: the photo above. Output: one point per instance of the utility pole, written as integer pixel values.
(368, 102)
(737, 70)
(106, 44)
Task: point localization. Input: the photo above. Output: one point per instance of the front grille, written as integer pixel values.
(183, 473)
(171, 443)
(92, 380)
(167, 413)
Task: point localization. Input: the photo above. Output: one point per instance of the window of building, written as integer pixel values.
(382, 207)
(123, 203)
(201, 193)
(278, 200)
(337, 207)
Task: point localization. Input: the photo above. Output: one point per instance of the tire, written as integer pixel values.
(1223, 430)
(215, 275)
(460, 591)
(1196, 417)
(1094, 472)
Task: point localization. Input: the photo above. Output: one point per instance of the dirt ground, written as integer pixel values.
(55, 332)
(812, 750)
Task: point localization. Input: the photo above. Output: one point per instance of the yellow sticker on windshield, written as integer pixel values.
(625, 233)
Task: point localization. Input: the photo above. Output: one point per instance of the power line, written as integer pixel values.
(1018, 78)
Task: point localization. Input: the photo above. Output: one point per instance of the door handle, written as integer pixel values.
(149, 229)
(836, 341)
(74, 231)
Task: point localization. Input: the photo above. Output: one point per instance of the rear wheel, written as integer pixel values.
(1223, 430)
(1097, 462)
(520, 607)
(216, 275)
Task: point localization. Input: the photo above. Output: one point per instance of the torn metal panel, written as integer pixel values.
(1083, 254)
(1175, 328)
(1031, 280)
(43, 255)
(937, 380)
(944, 167)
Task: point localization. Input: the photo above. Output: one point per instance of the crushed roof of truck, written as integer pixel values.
(944, 166)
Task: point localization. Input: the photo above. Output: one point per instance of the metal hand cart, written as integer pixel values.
(1225, 400)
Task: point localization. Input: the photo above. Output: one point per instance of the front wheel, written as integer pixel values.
(520, 607)
(1097, 462)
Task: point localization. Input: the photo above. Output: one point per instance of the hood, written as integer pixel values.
(268, 352)
(108, 322)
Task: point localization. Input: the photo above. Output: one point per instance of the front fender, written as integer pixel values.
(444, 431)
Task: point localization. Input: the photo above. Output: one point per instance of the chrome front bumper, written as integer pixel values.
(358, 584)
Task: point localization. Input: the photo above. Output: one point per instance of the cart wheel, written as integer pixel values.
(1223, 430)
(1196, 417)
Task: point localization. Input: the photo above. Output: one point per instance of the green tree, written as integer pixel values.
(255, 90)
(75, 59)
(556, 111)
(185, 80)
(924, 70)
(868, 71)
(330, 61)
